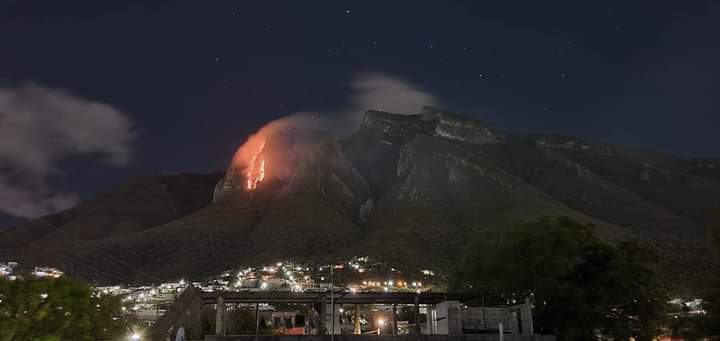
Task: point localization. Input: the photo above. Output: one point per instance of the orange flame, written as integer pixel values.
(273, 151)
(255, 172)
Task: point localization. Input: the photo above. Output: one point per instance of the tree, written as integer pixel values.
(701, 326)
(711, 305)
(710, 322)
(49, 309)
(580, 284)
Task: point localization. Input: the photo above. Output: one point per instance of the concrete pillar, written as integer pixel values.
(332, 321)
(431, 320)
(526, 318)
(220, 316)
(357, 330)
(308, 316)
(323, 313)
(418, 327)
(394, 319)
(257, 319)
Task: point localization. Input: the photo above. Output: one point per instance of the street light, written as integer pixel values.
(135, 337)
(381, 323)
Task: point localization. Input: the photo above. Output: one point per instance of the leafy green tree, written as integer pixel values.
(580, 284)
(49, 309)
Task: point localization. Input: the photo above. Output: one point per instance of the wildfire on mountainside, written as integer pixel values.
(272, 153)
(251, 157)
(255, 172)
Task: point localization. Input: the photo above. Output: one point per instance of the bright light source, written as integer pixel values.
(342, 310)
(135, 337)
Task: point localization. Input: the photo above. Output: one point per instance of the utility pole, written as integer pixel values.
(418, 328)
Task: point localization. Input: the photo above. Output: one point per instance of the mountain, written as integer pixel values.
(408, 189)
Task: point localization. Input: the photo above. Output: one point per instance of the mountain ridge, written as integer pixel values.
(411, 190)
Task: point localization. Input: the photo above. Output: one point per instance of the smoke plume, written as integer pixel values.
(377, 91)
(273, 152)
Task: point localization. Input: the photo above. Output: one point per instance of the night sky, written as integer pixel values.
(183, 83)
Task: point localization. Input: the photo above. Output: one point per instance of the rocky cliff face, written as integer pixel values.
(456, 127)
(412, 190)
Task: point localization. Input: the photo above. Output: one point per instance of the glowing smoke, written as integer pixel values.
(274, 151)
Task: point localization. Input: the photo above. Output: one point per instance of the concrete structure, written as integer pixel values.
(446, 317)
(473, 337)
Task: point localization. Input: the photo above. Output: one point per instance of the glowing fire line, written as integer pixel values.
(256, 170)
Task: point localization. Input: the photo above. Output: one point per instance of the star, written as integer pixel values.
(562, 74)
(347, 11)
(217, 59)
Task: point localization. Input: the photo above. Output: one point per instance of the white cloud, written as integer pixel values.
(39, 127)
(379, 91)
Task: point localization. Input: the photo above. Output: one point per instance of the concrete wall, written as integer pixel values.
(490, 318)
(475, 337)
(449, 318)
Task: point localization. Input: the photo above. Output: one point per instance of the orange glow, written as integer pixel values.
(255, 171)
(272, 153)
